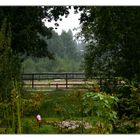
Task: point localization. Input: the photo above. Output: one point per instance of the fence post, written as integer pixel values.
(32, 80)
(66, 80)
(56, 85)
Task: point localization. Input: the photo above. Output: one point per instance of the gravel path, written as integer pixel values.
(71, 124)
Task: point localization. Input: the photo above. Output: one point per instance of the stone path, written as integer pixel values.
(71, 124)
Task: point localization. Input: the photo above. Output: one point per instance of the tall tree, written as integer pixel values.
(66, 55)
(70, 49)
(113, 33)
(27, 23)
(55, 44)
(20, 34)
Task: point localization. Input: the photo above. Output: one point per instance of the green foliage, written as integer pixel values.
(47, 129)
(128, 109)
(27, 23)
(28, 125)
(111, 33)
(129, 101)
(10, 97)
(64, 45)
(32, 103)
(124, 126)
(2, 130)
(62, 104)
(67, 57)
(16, 103)
(94, 87)
(69, 44)
(100, 108)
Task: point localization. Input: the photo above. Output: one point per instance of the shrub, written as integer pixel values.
(32, 104)
(46, 129)
(28, 126)
(99, 107)
(128, 109)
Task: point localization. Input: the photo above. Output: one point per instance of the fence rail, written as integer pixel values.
(33, 77)
(65, 79)
(51, 75)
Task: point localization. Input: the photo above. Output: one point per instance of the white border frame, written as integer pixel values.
(70, 2)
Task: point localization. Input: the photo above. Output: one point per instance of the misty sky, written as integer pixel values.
(70, 22)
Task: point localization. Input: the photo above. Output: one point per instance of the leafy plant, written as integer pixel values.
(10, 97)
(16, 107)
(47, 129)
(32, 103)
(99, 107)
(28, 125)
(128, 109)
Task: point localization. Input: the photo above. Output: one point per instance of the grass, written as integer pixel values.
(30, 126)
(54, 106)
(2, 130)
(62, 103)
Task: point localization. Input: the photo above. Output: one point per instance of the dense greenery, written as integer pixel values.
(66, 52)
(10, 98)
(98, 109)
(26, 26)
(128, 109)
(101, 108)
(113, 37)
(112, 51)
(20, 35)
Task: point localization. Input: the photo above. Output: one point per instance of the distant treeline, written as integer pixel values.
(66, 52)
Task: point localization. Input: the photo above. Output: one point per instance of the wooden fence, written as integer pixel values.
(61, 79)
(57, 77)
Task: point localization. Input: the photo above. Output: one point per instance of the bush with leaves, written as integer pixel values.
(99, 107)
(65, 104)
(32, 103)
(128, 109)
